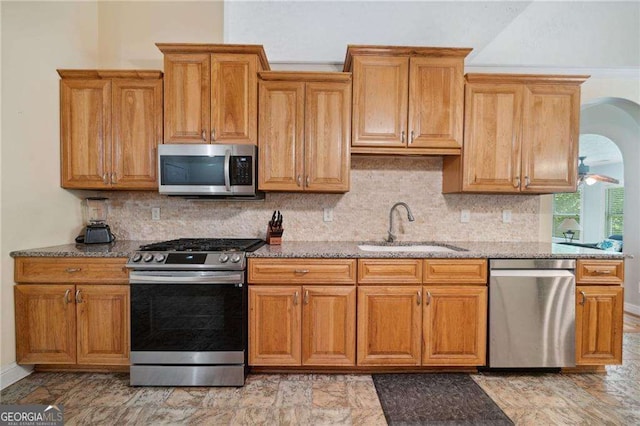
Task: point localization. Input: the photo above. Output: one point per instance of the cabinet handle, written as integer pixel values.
(306, 297)
(104, 179)
(301, 271)
(517, 184)
(66, 297)
(78, 297)
(72, 270)
(419, 298)
(604, 272)
(428, 297)
(299, 180)
(527, 182)
(213, 135)
(584, 298)
(114, 177)
(402, 136)
(307, 180)
(295, 298)
(413, 136)
(204, 135)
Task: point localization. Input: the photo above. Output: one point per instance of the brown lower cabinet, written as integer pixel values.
(301, 325)
(67, 316)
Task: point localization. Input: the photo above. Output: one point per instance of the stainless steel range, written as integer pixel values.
(189, 312)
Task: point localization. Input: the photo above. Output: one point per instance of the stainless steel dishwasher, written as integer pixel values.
(532, 313)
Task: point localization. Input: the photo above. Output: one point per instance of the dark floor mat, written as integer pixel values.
(436, 399)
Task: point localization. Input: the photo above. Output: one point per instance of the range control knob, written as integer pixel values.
(148, 257)
(136, 257)
(235, 258)
(223, 258)
(160, 258)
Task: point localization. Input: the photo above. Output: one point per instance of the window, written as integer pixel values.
(614, 217)
(565, 206)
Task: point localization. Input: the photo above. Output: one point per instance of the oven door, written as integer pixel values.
(188, 317)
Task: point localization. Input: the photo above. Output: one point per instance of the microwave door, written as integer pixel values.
(194, 174)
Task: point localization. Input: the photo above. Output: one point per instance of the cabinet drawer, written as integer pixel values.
(600, 272)
(455, 271)
(389, 271)
(297, 271)
(71, 270)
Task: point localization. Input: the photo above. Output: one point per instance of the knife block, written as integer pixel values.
(274, 236)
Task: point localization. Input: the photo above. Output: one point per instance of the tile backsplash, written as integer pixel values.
(361, 214)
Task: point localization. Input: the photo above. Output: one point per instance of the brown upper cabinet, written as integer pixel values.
(211, 92)
(110, 127)
(521, 135)
(304, 131)
(407, 100)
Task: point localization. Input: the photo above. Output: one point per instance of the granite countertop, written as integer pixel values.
(348, 249)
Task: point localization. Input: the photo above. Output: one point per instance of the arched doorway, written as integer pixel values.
(619, 121)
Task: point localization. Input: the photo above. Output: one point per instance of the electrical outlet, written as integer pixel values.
(155, 213)
(465, 216)
(327, 214)
(506, 216)
(638, 286)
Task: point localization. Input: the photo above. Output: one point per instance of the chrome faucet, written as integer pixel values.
(392, 237)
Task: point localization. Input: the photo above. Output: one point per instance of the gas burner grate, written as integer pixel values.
(206, 244)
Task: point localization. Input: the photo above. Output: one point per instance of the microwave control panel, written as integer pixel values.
(241, 170)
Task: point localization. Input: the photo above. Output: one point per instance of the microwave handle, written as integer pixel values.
(227, 172)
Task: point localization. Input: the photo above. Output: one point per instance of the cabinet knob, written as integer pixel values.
(413, 136)
(517, 182)
(78, 297)
(419, 300)
(295, 298)
(105, 179)
(402, 136)
(203, 135)
(301, 271)
(527, 182)
(299, 180)
(66, 297)
(584, 298)
(114, 177)
(72, 270)
(307, 180)
(428, 297)
(213, 135)
(306, 297)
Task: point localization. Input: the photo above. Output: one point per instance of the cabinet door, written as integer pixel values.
(493, 120)
(327, 129)
(103, 324)
(281, 150)
(234, 98)
(187, 98)
(137, 131)
(454, 325)
(85, 128)
(436, 102)
(599, 325)
(550, 138)
(45, 324)
(274, 325)
(389, 325)
(380, 93)
(328, 325)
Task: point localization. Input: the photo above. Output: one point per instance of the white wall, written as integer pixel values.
(38, 38)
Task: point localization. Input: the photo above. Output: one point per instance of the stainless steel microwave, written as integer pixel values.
(207, 170)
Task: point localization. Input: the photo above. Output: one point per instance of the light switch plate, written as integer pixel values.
(465, 216)
(327, 214)
(155, 213)
(506, 216)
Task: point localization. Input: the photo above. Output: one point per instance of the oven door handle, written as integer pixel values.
(161, 277)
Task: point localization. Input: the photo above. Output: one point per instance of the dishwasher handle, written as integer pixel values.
(538, 273)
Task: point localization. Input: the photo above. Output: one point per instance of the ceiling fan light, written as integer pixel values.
(589, 180)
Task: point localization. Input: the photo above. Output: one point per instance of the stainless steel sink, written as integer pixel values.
(417, 247)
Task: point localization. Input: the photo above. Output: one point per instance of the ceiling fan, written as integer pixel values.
(590, 178)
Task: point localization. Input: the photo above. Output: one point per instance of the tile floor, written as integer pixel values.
(528, 399)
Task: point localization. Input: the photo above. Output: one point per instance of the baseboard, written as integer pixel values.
(12, 373)
(632, 309)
